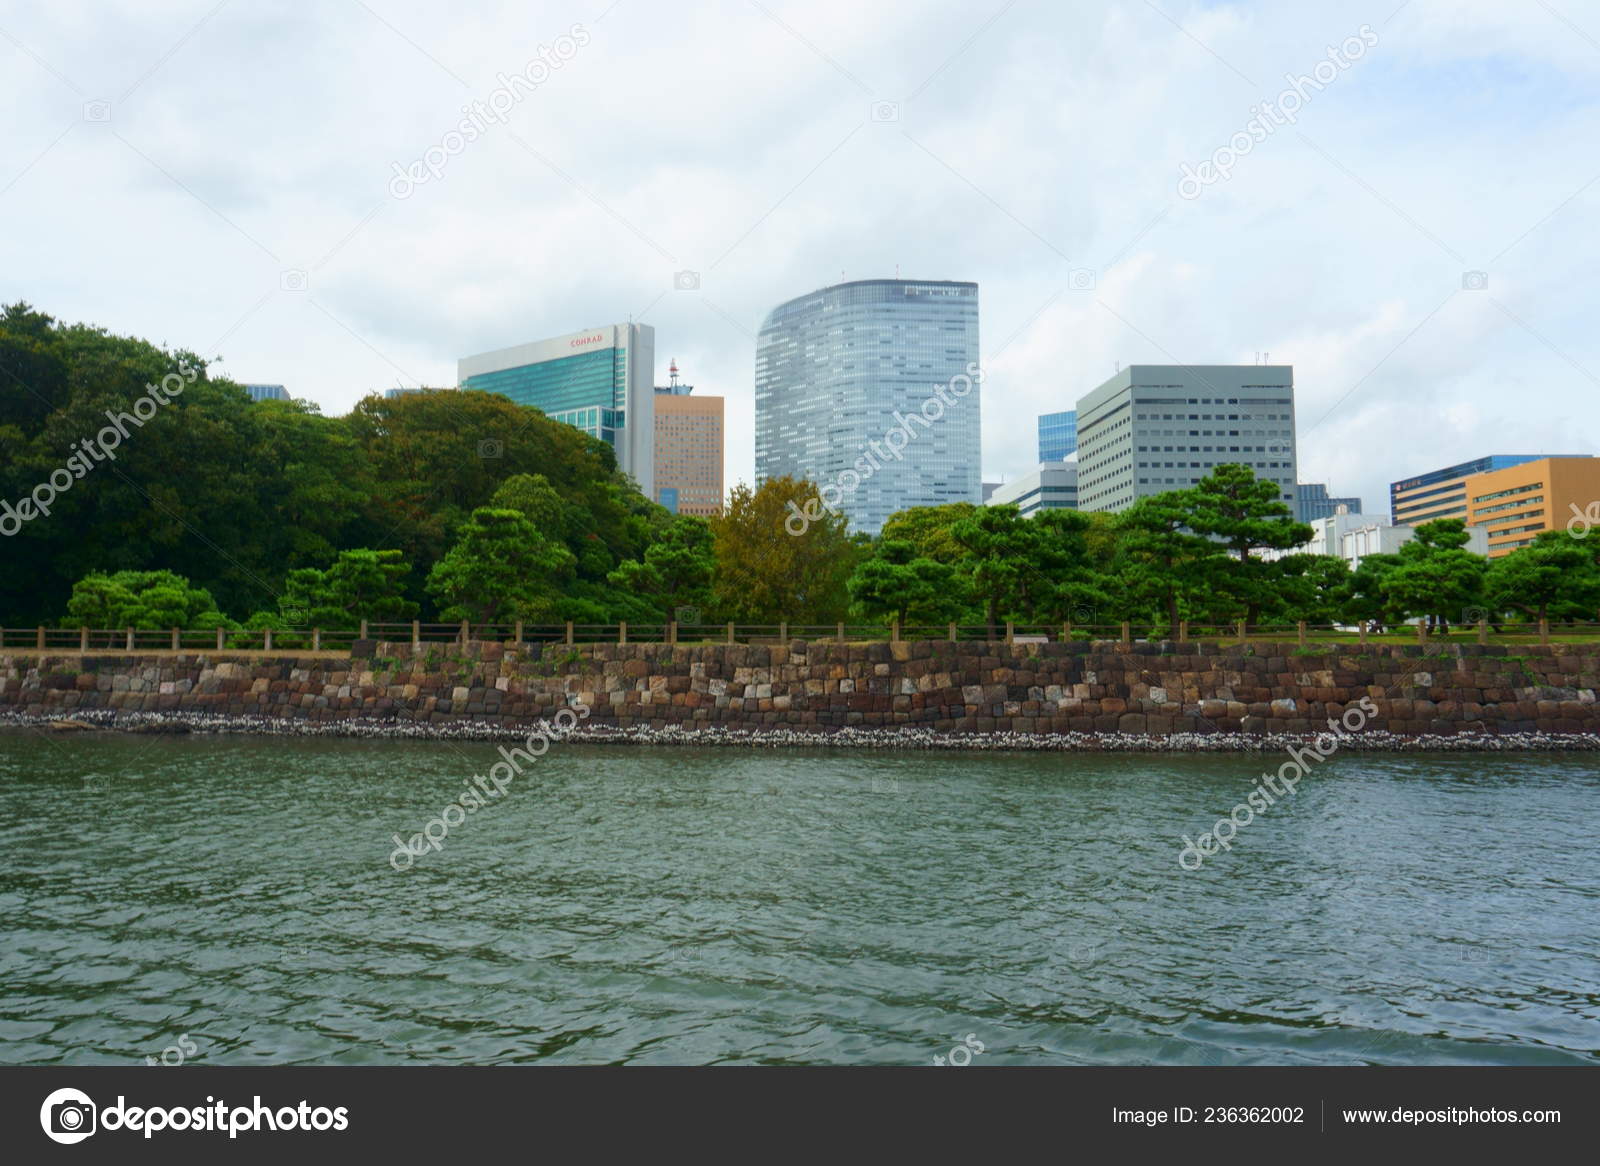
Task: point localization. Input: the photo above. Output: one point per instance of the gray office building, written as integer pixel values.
(870, 390)
(1158, 427)
(1311, 502)
(267, 392)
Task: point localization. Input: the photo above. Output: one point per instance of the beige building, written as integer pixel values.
(1516, 503)
(688, 453)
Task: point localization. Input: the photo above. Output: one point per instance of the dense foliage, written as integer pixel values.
(213, 511)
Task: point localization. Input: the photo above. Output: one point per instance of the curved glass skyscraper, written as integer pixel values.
(869, 389)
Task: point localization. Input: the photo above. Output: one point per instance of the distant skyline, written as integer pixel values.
(223, 177)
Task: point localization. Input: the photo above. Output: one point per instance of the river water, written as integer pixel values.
(232, 900)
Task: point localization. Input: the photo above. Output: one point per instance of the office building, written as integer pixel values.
(1058, 435)
(1376, 537)
(1311, 502)
(600, 380)
(688, 451)
(1512, 505)
(988, 491)
(1154, 428)
(1053, 486)
(1443, 493)
(267, 392)
(868, 389)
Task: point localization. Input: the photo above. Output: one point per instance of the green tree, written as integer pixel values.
(997, 543)
(1245, 514)
(772, 568)
(1159, 564)
(928, 529)
(141, 599)
(1436, 576)
(676, 570)
(1314, 588)
(1366, 597)
(1555, 575)
(897, 585)
(360, 585)
(500, 568)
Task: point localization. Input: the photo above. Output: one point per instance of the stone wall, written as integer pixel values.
(960, 687)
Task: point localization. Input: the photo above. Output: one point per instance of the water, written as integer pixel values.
(627, 905)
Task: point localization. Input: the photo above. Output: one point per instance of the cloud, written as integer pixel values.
(738, 140)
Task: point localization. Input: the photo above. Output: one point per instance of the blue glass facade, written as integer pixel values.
(1058, 435)
(599, 381)
(840, 370)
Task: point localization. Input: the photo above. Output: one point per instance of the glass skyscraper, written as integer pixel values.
(851, 376)
(601, 380)
(1058, 435)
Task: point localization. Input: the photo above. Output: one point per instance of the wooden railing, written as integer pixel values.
(341, 640)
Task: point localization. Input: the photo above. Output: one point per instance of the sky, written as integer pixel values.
(1420, 242)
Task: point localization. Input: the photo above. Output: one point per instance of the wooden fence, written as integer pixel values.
(341, 640)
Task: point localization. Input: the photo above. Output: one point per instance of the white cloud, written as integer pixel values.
(705, 136)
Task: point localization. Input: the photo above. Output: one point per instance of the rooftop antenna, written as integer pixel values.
(672, 372)
(1266, 358)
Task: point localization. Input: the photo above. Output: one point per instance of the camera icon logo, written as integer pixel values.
(686, 281)
(68, 1116)
(491, 447)
(687, 613)
(97, 111)
(885, 111)
(1474, 281)
(293, 280)
(1081, 279)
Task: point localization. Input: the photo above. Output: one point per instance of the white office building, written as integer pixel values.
(1053, 486)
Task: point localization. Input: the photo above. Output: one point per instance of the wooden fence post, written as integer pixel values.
(1422, 630)
(466, 632)
(130, 639)
(517, 639)
(416, 634)
(175, 638)
(672, 632)
(1066, 631)
(1361, 631)
(266, 642)
(569, 633)
(1183, 631)
(1483, 630)
(1011, 631)
(841, 632)
(83, 639)
(952, 633)
(1544, 631)
(316, 639)
(783, 631)
(40, 639)
(730, 632)
(1127, 632)
(1300, 630)
(622, 631)
(1244, 632)
(894, 632)
(219, 639)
